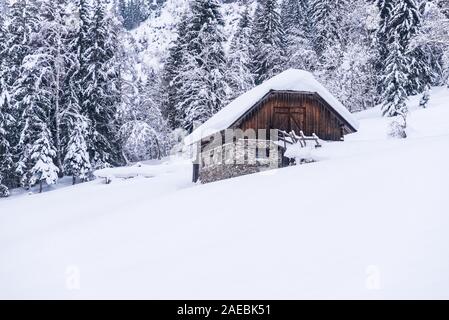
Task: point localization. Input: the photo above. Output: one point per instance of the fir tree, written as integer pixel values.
(42, 155)
(77, 162)
(133, 12)
(425, 97)
(172, 81)
(197, 103)
(101, 89)
(352, 76)
(6, 120)
(53, 55)
(385, 8)
(404, 25)
(395, 81)
(202, 81)
(30, 92)
(432, 42)
(78, 45)
(240, 77)
(296, 24)
(268, 41)
(327, 23)
(6, 158)
(22, 24)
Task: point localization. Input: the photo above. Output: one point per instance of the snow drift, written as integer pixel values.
(369, 220)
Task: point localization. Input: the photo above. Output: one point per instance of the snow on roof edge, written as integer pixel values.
(289, 80)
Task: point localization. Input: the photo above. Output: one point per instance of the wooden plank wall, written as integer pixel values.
(319, 118)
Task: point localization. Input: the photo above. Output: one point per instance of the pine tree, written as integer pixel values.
(172, 81)
(202, 80)
(385, 8)
(79, 43)
(405, 23)
(425, 97)
(352, 77)
(197, 103)
(29, 91)
(6, 158)
(42, 155)
(101, 88)
(327, 24)
(21, 25)
(133, 12)
(432, 42)
(240, 77)
(77, 162)
(296, 24)
(268, 41)
(405, 20)
(54, 56)
(6, 120)
(395, 81)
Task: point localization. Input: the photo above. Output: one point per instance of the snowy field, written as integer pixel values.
(369, 220)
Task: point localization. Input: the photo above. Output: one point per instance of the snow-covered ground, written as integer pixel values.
(370, 220)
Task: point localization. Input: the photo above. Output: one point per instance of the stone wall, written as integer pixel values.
(221, 172)
(239, 158)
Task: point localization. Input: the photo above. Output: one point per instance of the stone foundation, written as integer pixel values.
(222, 172)
(237, 159)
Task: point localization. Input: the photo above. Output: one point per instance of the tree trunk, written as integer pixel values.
(57, 111)
(40, 186)
(73, 180)
(159, 156)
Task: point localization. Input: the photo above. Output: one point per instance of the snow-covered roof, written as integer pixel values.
(290, 80)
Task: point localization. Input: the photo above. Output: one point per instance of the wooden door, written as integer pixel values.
(289, 118)
(297, 117)
(281, 119)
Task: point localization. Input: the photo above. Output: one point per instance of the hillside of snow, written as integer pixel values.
(369, 220)
(154, 37)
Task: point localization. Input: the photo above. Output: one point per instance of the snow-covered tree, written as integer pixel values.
(6, 157)
(101, 87)
(296, 24)
(240, 77)
(133, 12)
(30, 91)
(268, 44)
(395, 82)
(405, 21)
(144, 131)
(425, 97)
(42, 155)
(383, 32)
(353, 82)
(54, 58)
(6, 119)
(432, 42)
(197, 102)
(77, 162)
(33, 97)
(351, 74)
(20, 24)
(202, 79)
(172, 81)
(327, 17)
(404, 25)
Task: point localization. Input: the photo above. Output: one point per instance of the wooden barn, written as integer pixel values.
(244, 136)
